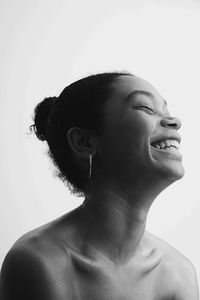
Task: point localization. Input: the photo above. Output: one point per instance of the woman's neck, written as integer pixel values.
(114, 226)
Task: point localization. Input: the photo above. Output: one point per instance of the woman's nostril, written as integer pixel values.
(171, 122)
(172, 125)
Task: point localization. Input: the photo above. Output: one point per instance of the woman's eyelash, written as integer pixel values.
(144, 106)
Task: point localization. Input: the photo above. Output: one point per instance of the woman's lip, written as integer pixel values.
(169, 137)
(169, 152)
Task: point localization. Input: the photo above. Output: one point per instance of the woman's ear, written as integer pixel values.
(81, 141)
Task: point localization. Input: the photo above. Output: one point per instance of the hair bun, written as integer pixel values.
(41, 115)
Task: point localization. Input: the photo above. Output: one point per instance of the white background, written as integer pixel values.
(45, 45)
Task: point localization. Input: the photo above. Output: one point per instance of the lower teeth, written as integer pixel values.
(170, 148)
(166, 148)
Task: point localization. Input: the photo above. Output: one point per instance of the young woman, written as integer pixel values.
(113, 141)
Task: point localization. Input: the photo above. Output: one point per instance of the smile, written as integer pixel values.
(167, 144)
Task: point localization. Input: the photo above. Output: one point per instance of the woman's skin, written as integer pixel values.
(101, 249)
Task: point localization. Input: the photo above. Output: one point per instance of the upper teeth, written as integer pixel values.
(166, 143)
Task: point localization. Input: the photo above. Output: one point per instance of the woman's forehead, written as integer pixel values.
(126, 84)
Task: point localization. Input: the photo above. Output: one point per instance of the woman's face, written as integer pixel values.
(137, 116)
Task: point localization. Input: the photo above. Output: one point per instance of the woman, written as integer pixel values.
(113, 140)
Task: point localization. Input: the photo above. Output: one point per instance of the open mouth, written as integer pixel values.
(167, 144)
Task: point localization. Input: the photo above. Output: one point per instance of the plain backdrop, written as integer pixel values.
(46, 45)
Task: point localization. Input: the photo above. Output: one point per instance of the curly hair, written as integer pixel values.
(81, 104)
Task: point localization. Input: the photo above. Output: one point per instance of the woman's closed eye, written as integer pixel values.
(146, 108)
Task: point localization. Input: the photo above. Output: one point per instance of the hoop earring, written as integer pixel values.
(90, 157)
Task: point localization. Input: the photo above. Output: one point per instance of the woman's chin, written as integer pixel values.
(172, 171)
(168, 163)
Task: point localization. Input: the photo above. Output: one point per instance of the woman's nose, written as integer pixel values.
(171, 122)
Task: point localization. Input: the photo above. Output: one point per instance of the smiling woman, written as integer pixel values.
(113, 140)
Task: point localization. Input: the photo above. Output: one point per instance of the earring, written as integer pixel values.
(90, 157)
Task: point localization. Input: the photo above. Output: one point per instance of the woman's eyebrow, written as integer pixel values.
(146, 93)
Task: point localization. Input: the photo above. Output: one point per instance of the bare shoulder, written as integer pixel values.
(51, 240)
(55, 236)
(177, 269)
(38, 266)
